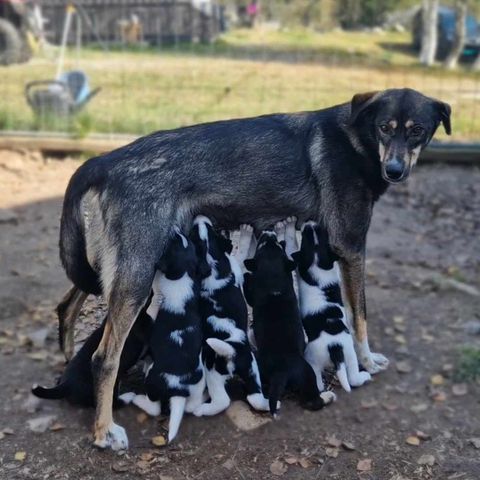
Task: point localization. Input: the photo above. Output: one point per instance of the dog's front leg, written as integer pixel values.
(353, 275)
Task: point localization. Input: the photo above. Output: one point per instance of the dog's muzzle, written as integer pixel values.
(395, 170)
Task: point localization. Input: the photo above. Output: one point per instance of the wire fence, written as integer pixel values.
(152, 79)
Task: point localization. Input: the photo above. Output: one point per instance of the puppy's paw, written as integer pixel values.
(328, 397)
(245, 228)
(360, 379)
(115, 438)
(126, 397)
(260, 403)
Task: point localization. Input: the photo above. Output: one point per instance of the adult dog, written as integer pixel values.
(329, 165)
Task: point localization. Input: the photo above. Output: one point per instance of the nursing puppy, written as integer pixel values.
(76, 383)
(277, 326)
(226, 351)
(176, 379)
(323, 315)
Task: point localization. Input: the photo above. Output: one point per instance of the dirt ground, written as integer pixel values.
(423, 269)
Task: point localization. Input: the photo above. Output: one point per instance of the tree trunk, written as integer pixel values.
(429, 32)
(460, 34)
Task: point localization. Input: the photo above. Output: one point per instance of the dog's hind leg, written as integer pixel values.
(218, 395)
(244, 241)
(353, 278)
(253, 385)
(68, 310)
(127, 294)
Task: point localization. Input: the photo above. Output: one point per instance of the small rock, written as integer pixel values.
(8, 216)
(460, 389)
(404, 366)
(20, 456)
(229, 464)
(426, 460)
(437, 380)
(413, 440)
(120, 466)
(332, 452)
(334, 442)
(278, 468)
(38, 337)
(475, 442)
(419, 407)
(243, 418)
(41, 424)
(364, 465)
(473, 327)
(159, 441)
(348, 446)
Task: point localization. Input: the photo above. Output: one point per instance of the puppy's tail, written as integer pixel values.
(338, 359)
(278, 383)
(177, 408)
(55, 393)
(73, 251)
(220, 347)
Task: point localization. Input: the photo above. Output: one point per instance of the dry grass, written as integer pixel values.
(151, 90)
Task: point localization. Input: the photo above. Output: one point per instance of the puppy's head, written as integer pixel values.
(271, 268)
(315, 250)
(212, 247)
(399, 124)
(179, 258)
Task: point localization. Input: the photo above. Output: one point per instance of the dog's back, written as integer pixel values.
(277, 324)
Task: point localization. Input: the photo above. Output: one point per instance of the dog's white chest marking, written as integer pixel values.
(228, 326)
(176, 293)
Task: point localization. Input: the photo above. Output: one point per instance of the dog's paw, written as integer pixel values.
(360, 379)
(374, 363)
(115, 438)
(209, 409)
(328, 397)
(260, 403)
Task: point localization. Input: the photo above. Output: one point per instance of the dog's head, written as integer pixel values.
(179, 258)
(397, 123)
(315, 250)
(271, 268)
(212, 247)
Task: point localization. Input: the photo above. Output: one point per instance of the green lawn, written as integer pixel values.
(244, 73)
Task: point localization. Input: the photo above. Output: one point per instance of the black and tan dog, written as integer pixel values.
(329, 165)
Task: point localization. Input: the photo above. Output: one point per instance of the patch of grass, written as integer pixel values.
(245, 73)
(468, 365)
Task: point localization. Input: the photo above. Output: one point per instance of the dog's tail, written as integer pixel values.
(55, 393)
(221, 347)
(73, 251)
(338, 359)
(177, 408)
(278, 383)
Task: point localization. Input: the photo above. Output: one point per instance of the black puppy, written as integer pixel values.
(175, 379)
(76, 383)
(277, 325)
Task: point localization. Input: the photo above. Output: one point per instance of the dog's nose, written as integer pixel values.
(394, 169)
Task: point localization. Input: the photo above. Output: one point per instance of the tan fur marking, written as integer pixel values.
(409, 123)
(393, 124)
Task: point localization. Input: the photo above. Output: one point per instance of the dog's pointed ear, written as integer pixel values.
(445, 111)
(250, 264)
(359, 103)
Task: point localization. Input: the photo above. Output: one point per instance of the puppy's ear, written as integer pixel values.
(250, 264)
(360, 102)
(445, 111)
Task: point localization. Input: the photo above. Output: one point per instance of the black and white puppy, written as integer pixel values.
(176, 378)
(76, 382)
(226, 351)
(277, 326)
(323, 315)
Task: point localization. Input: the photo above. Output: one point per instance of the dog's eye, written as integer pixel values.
(384, 128)
(416, 131)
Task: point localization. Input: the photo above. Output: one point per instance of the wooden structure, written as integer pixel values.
(162, 22)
